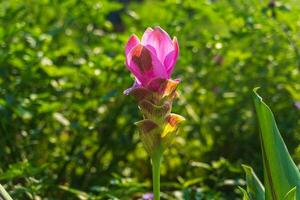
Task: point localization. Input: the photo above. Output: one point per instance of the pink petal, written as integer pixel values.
(159, 40)
(171, 58)
(132, 42)
(144, 65)
(146, 35)
(133, 87)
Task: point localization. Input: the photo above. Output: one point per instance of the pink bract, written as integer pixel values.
(153, 57)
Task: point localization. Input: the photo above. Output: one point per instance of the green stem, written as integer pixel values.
(156, 160)
(4, 194)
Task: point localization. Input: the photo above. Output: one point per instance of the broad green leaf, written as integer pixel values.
(280, 172)
(245, 194)
(291, 195)
(255, 189)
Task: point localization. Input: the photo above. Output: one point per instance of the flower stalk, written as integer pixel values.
(156, 159)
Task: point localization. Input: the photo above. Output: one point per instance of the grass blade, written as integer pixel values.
(3, 194)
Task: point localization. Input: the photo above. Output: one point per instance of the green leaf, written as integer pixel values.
(255, 189)
(280, 172)
(79, 194)
(291, 195)
(245, 194)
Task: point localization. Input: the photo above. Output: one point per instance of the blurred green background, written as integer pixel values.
(67, 131)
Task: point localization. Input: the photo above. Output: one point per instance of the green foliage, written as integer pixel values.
(68, 132)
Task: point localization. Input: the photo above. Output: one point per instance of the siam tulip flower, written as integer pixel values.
(152, 61)
(152, 57)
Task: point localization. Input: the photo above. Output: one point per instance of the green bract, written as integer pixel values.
(159, 125)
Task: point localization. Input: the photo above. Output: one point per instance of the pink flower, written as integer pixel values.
(297, 105)
(152, 57)
(148, 196)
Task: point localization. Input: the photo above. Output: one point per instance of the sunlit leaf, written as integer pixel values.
(79, 194)
(3, 194)
(280, 172)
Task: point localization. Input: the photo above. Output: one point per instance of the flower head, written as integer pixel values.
(152, 57)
